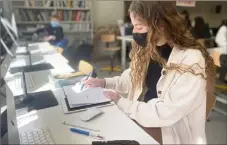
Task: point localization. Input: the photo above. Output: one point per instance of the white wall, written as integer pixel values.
(206, 9)
(107, 12)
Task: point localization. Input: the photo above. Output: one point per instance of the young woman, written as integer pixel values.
(175, 70)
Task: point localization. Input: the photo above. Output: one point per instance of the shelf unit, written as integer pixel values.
(47, 22)
(50, 8)
(76, 15)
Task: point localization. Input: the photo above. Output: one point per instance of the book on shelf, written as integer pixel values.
(78, 27)
(74, 15)
(57, 3)
(38, 15)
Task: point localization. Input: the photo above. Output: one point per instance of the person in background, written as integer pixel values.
(128, 31)
(221, 40)
(55, 34)
(171, 68)
(221, 37)
(187, 18)
(201, 30)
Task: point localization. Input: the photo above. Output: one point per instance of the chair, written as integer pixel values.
(210, 103)
(108, 39)
(216, 57)
(154, 132)
(211, 100)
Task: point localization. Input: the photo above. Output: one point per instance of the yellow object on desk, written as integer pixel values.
(84, 68)
(66, 76)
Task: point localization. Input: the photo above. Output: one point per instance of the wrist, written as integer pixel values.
(117, 100)
(103, 83)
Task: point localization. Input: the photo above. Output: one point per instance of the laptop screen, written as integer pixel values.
(3, 44)
(7, 41)
(12, 32)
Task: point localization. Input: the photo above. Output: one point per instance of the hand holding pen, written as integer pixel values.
(94, 82)
(89, 75)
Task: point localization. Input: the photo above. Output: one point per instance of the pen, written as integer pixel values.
(86, 133)
(82, 127)
(86, 79)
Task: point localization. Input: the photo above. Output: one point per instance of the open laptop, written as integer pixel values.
(26, 62)
(21, 60)
(11, 27)
(6, 48)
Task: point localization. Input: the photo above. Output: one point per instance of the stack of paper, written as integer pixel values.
(85, 97)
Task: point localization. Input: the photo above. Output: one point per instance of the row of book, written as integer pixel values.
(58, 3)
(83, 27)
(63, 15)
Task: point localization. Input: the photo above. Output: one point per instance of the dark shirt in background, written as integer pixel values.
(201, 33)
(55, 31)
(154, 73)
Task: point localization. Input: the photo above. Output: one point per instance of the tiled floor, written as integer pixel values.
(216, 128)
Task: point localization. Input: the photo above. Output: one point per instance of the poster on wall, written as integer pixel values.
(185, 3)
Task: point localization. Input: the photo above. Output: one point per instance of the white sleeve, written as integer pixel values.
(220, 38)
(179, 100)
(120, 83)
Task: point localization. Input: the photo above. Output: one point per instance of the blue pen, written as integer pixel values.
(91, 134)
(85, 79)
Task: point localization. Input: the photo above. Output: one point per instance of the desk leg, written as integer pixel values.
(123, 55)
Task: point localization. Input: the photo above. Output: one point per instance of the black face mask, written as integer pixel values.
(140, 38)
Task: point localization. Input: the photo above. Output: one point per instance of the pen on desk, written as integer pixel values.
(85, 79)
(82, 127)
(87, 133)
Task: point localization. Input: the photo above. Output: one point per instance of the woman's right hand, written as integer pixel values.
(94, 82)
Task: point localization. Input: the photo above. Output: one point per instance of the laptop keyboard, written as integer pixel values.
(38, 136)
(30, 82)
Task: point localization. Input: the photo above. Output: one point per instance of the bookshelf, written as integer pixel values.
(75, 15)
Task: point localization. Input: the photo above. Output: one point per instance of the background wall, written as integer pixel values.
(206, 9)
(107, 12)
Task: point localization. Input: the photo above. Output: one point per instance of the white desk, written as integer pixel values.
(59, 63)
(113, 124)
(124, 39)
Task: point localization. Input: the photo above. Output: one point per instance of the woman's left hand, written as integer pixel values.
(113, 95)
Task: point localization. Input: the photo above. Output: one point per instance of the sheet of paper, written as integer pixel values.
(77, 87)
(89, 96)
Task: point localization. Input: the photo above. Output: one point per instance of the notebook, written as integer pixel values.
(87, 96)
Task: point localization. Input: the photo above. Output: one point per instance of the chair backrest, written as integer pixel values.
(85, 67)
(108, 38)
(211, 101)
(216, 57)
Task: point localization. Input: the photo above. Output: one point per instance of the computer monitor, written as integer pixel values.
(6, 48)
(9, 28)
(14, 25)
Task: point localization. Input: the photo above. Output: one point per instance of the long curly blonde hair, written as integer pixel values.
(176, 32)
